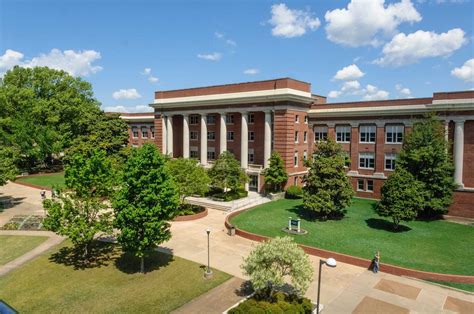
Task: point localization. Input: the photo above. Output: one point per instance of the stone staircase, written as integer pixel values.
(253, 199)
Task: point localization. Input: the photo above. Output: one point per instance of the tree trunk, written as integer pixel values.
(142, 264)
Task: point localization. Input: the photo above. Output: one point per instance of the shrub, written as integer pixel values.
(189, 209)
(230, 195)
(279, 303)
(294, 192)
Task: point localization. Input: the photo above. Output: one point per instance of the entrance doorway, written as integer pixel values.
(253, 183)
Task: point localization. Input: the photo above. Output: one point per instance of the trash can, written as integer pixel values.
(232, 231)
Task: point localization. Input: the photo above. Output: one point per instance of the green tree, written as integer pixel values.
(327, 190)
(425, 156)
(190, 177)
(402, 197)
(271, 262)
(226, 172)
(8, 169)
(146, 200)
(276, 175)
(81, 212)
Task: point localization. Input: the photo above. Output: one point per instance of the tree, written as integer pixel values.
(425, 156)
(272, 261)
(327, 190)
(226, 173)
(276, 175)
(81, 212)
(190, 177)
(8, 169)
(402, 197)
(147, 198)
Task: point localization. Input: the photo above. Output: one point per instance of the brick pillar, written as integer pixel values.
(158, 124)
(354, 147)
(379, 148)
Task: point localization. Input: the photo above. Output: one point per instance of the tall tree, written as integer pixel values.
(327, 190)
(276, 175)
(226, 172)
(425, 156)
(8, 169)
(146, 200)
(190, 177)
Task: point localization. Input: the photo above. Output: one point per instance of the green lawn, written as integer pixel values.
(47, 180)
(55, 282)
(461, 286)
(436, 246)
(15, 246)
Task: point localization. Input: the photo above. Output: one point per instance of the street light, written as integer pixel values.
(331, 262)
(208, 272)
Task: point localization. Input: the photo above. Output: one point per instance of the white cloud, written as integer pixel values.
(252, 71)
(334, 94)
(146, 71)
(130, 93)
(350, 86)
(218, 35)
(291, 23)
(128, 109)
(231, 42)
(368, 22)
(349, 73)
(153, 79)
(465, 72)
(228, 41)
(372, 92)
(215, 56)
(408, 49)
(78, 63)
(403, 91)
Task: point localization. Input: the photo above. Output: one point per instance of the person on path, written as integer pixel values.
(43, 194)
(376, 262)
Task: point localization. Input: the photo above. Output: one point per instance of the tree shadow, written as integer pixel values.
(305, 214)
(245, 289)
(382, 224)
(128, 263)
(100, 254)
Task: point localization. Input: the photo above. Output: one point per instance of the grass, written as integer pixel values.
(45, 181)
(462, 286)
(16, 245)
(58, 282)
(435, 246)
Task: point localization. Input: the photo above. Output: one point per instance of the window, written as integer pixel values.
(360, 185)
(211, 135)
(366, 160)
(211, 153)
(193, 135)
(367, 133)
(295, 159)
(229, 119)
(343, 134)
(296, 136)
(390, 161)
(320, 133)
(370, 186)
(144, 132)
(295, 181)
(394, 134)
(230, 135)
(193, 119)
(134, 132)
(305, 137)
(306, 119)
(251, 118)
(365, 185)
(297, 119)
(152, 131)
(193, 150)
(251, 136)
(251, 156)
(305, 155)
(211, 119)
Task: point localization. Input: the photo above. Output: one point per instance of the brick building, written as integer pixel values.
(253, 119)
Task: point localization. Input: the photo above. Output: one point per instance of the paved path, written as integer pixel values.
(24, 201)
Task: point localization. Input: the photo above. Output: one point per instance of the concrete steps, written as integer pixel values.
(252, 200)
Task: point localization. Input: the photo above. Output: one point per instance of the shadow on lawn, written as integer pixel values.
(130, 264)
(382, 224)
(309, 215)
(100, 254)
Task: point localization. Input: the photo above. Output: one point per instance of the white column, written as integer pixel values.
(185, 136)
(458, 151)
(267, 146)
(446, 130)
(169, 141)
(223, 134)
(163, 134)
(244, 142)
(203, 139)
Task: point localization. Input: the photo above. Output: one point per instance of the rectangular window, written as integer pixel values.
(229, 119)
(134, 132)
(230, 135)
(370, 186)
(144, 132)
(297, 119)
(251, 156)
(251, 136)
(306, 119)
(296, 136)
(152, 131)
(320, 133)
(305, 137)
(295, 159)
(211, 153)
(295, 181)
(251, 118)
(193, 135)
(390, 161)
(366, 160)
(211, 135)
(305, 155)
(360, 185)
(394, 134)
(193, 152)
(343, 134)
(211, 119)
(194, 120)
(367, 134)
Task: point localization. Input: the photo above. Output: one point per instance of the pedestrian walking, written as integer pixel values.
(376, 262)
(43, 194)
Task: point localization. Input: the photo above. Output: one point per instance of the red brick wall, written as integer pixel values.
(158, 123)
(468, 167)
(140, 141)
(463, 204)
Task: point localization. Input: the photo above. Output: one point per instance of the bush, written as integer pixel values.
(279, 303)
(294, 192)
(230, 195)
(189, 209)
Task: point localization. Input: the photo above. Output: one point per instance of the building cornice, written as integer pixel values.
(147, 118)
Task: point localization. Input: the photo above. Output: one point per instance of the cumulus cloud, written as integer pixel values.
(292, 23)
(252, 71)
(368, 22)
(349, 73)
(465, 72)
(128, 109)
(215, 56)
(334, 94)
(76, 63)
(350, 86)
(407, 49)
(153, 79)
(130, 93)
(372, 92)
(403, 91)
(150, 77)
(146, 71)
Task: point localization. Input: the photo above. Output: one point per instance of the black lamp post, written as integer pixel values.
(208, 273)
(331, 262)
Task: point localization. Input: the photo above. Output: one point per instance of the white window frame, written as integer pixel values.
(305, 155)
(211, 150)
(229, 119)
(367, 156)
(211, 135)
(368, 131)
(193, 120)
(193, 138)
(392, 157)
(152, 131)
(363, 185)
(343, 130)
(394, 130)
(251, 153)
(135, 132)
(230, 136)
(211, 119)
(297, 137)
(251, 118)
(367, 185)
(305, 137)
(193, 152)
(320, 133)
(251, 136)
(306, 119)
(297, 118)
(295, 159)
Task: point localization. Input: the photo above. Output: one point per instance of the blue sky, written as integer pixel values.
(349, 50)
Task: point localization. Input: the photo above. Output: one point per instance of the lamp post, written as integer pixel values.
(208, 272)
(331, 262)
